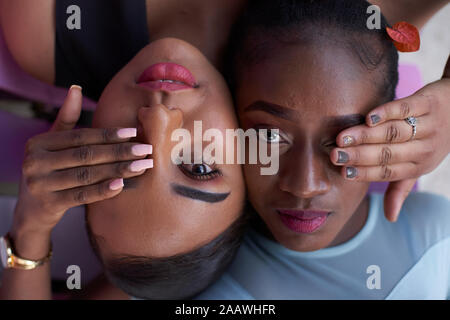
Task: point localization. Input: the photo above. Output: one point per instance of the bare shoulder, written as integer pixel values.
(29, 32)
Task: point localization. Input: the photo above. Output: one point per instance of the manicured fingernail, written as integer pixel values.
(348, 140)
(76, 87)
(127, 133)
(342, 157)
(116, 184)
(375, 118)
(351, 172)
(142, 149)
(140, 165)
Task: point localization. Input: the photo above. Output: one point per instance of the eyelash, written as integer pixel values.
(201, 177)
(261, 127)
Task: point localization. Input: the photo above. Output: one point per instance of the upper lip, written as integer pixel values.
(305, 214)
(168, 71)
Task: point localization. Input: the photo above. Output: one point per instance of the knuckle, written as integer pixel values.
(80, 196)
(29, 146)
(84, 175)
(121, 169)
(102, 191)
(32, 184)
(405, 109)
(432, 101)
(386, 173)
(29, 164)
(386, 156)
(107, 135)
(364, 137)
(120, 151)
(356, 155)
(76, 136)
(392, 134)
(84, 154)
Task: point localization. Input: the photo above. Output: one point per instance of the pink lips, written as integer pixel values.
(167, 77)
(303, 221)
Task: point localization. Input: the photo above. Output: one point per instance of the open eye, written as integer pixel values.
(200, 171)
(270, 135)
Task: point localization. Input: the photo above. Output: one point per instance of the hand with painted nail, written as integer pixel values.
(386, 148)
(68, 167)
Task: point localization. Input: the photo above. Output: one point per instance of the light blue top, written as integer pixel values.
(409, 259)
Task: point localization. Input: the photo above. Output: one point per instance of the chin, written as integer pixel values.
(304, 243)
(304, 247)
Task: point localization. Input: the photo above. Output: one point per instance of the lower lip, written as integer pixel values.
(164, 86)
(152, 77)
(303, 225)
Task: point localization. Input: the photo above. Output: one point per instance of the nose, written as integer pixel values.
(303, 173)
(155, 127)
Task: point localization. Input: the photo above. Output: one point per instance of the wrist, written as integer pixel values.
(30, 244)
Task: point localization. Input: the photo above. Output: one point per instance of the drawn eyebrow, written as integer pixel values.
(196, 194)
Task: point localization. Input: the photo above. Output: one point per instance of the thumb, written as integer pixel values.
(70, 112)
(395, 195)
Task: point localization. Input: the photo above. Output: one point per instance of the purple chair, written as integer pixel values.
(14, 130)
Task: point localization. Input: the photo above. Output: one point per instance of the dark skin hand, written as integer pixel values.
(51, 184)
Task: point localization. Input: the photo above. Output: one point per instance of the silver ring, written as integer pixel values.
(412, 121)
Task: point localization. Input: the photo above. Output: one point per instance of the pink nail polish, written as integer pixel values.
(76, 87)
(140, 165)
(142, 149)
(116, 184)
(127, 133)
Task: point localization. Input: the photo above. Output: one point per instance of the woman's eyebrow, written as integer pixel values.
(196, 194)
(273, 109)
(345, 121)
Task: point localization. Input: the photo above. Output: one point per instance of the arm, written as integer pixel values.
(416, 12)
(29, 33)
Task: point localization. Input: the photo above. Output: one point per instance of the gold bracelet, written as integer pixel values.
(11, 260)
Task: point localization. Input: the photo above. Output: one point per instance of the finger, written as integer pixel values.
(447, 69)
(70, 111)
(89, 194)
(392, 172)
(88, 155)
(414, 106)
(381, 154)
(395, 196)
(81, 137)
(394, 131)
(84, 176)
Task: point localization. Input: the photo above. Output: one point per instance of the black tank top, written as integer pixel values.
(111, 34)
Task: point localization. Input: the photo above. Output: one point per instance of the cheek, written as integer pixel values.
(349, 194)
(258, 186)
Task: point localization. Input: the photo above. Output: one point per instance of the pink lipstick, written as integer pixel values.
(167, 77)
(303, 221)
